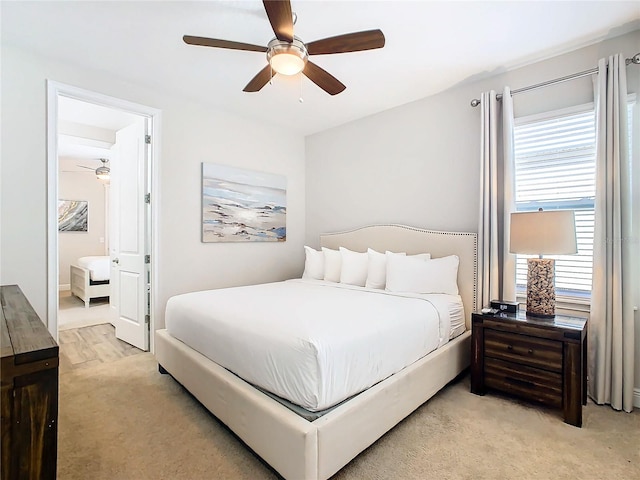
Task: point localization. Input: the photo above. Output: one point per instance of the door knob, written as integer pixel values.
(116, 261)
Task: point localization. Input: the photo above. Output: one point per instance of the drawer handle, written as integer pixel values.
(509, 347)
(531, 351)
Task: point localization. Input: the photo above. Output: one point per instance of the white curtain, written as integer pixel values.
(496, 266)
(611, 328)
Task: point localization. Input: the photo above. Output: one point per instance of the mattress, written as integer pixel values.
(98, 266)
(312, 342)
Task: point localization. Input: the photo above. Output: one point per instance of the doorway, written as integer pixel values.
(88, 131)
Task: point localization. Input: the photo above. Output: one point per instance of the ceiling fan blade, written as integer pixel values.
(88, 168)
(260, 80)
(323, 79)
(281, 18)
(349, 42)
(214, 42)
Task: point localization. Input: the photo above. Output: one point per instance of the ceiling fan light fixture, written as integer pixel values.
(287, 58)
(103, 172)
(287, 64)
(288, 55)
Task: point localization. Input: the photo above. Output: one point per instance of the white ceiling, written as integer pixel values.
(86, 133)
(75, 111)
(430, 45)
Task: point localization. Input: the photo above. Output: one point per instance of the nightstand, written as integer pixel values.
(538, 359)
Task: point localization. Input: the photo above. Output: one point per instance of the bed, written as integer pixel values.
(316, 448)
(90, 278)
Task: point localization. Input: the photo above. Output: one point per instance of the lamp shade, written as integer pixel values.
(550, 232)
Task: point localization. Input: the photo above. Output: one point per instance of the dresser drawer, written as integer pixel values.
(523, 349)
(532, 383)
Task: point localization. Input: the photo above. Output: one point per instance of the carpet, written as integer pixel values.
(123, 420)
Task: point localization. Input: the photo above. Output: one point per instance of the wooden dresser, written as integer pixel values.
(539, 359)
(29, 397)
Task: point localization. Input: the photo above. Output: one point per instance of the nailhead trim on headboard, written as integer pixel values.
(434, 232)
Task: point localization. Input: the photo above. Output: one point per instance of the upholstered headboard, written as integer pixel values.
(401, 238)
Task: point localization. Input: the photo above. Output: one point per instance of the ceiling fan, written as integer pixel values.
(102, 172)
(288, 55)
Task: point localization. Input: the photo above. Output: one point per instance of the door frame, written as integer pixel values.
(55, 90)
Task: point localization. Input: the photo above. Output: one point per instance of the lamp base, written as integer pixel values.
(541, 292)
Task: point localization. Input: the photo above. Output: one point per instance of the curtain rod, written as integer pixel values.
(635, 60)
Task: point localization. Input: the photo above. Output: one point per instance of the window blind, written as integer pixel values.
(555, 169)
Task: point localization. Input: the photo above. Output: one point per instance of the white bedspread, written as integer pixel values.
(98, 267)
(314, 343)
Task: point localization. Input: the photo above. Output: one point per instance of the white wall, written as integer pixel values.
(418, 164)
(73, 245)
(191, 134)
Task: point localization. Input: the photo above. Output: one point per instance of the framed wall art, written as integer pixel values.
(241, 205)
(73, 216)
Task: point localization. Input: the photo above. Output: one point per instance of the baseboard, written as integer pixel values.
(63, 287)
(636, 397)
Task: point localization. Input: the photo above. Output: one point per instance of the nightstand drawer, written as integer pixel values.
(532, 383)
(523, 349)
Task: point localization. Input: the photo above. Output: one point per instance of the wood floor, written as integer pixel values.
(85, 347)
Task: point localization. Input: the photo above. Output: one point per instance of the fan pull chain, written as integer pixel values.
(301, 100)
(271, 78)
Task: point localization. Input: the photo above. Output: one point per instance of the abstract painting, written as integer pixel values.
(73, 215)
(241, 205)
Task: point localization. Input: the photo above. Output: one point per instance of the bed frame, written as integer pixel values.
(82, 288)
(300, 449)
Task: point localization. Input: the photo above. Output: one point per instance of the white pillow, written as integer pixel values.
(332, 264)
(313, 264)
(377, 272)
(377, 269)
(354, 267)
(407, 274)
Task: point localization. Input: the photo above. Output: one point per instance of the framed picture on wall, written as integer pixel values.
(241, 205)
(73, 216)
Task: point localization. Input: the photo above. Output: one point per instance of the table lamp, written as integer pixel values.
(551, 232)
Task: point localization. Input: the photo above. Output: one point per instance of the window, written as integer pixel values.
(555, 169)
(555, 164)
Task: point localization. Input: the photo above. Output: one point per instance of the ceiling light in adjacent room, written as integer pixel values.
(103, 172)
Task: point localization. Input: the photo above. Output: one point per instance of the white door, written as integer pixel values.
(129, 272)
